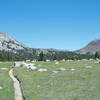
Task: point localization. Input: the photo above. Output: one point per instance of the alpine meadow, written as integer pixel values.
(49, 50)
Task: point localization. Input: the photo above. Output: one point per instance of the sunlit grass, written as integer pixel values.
(7, 90)
(79, 84)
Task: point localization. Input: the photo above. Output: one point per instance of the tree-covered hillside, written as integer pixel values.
(41, 55)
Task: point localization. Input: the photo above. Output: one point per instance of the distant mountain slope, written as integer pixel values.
(8, 44)
(10, 50)
(92, 47)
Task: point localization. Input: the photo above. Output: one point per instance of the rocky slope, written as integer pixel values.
(92, 47)
(9, 44)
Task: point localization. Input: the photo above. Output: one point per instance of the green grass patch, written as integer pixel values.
(81, 84)
(6, 84)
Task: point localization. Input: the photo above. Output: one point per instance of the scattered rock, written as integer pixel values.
(33, 68)
(4, 68)
(33, 61)
(62, 69)
(55, 71)
(88, 66)
(63, 60)
(42, 70)
(72, 69)
(56, 63)
(1, 88)
(97, 62)
(47, 60)
(90, 59)
(84, 60)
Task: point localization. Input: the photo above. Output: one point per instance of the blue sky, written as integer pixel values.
(63, 24)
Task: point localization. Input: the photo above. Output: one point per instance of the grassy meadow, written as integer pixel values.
(6, 85)
(66, 80)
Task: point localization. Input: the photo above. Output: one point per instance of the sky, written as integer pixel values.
(60, 24)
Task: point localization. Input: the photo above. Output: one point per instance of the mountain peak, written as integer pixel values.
(2, 34)
(92, 47)
(96, 40)
(5, 37)
(7, 43)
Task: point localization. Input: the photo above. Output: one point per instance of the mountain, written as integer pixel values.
(11, 45)
(91, 47)
(8, 43)
(12, 50)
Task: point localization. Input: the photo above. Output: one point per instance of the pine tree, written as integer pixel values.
(97, 55)
(41, 56)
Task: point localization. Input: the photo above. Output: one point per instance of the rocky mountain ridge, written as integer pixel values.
(92, 47)
(9, 44)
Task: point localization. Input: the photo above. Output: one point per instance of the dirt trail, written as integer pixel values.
(17, 88)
